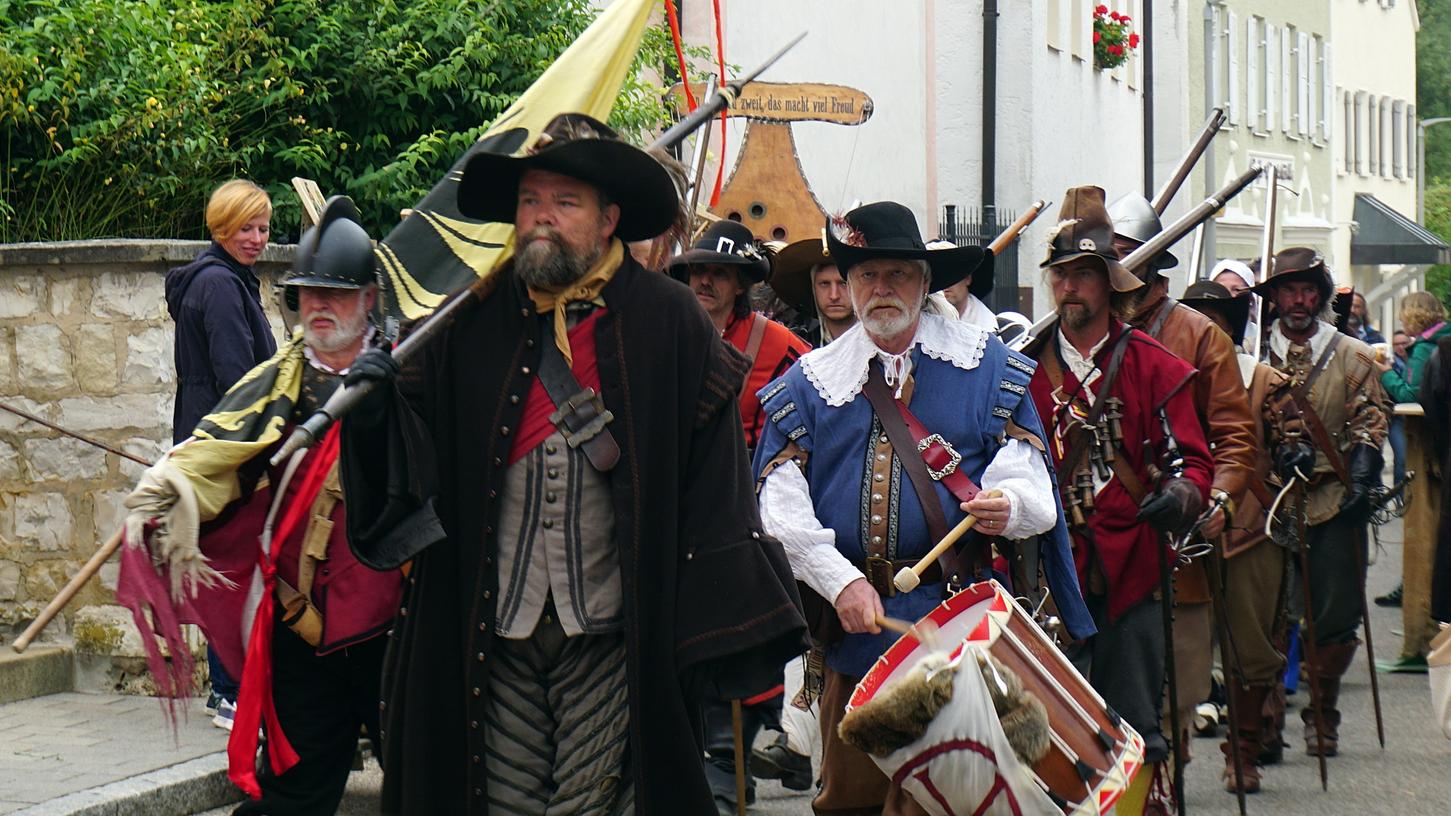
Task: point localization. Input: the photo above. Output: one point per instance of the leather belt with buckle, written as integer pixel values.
(880, 572)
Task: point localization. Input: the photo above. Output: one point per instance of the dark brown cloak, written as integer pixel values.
(710, 604)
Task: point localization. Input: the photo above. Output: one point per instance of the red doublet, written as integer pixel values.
(534, 426)
(779, 349)
(1150, 378)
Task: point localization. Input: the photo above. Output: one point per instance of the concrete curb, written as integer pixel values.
(43, 669)
(189, 787)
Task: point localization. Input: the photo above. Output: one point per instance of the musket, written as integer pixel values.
(1167, 237)
(1191, 157)
(347, 397)
(1267, 255)
(73, 435)
(1016, 228)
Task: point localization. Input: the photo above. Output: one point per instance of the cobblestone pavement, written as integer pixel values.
(62, 743)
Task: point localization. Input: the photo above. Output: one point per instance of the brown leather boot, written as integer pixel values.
(1272, 726)
(1332, 662)
(1248, 704)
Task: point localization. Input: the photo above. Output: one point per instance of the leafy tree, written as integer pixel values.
(1433, 83)
(118, 117)
(1438, 220)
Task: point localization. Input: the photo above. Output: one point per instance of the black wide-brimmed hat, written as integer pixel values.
(1084, 230)
(1297, 264)
(336, 253)
(1208, 296)
(578, 146)
(887, 229)
(791, 277)
(725, 242)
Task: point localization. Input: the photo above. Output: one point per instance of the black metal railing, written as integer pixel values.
(974, 225)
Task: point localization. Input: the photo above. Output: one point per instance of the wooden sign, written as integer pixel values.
(767, 190)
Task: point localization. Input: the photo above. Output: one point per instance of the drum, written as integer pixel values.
(962, 763)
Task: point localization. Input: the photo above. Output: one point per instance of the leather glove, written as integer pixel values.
(1292, 456)
(1365, 465)
(375, 366)
(1173, 508)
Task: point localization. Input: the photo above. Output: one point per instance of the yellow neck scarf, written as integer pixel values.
(587, 289)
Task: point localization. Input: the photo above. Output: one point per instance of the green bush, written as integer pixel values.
(118, 117)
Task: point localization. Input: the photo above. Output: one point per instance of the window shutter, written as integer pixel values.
(1216, 57)
(1327, 89)
(1287, 68)
(1232, 45)
(1252, 72)
(1272, 74)
(1302, 119)
(1413, 135)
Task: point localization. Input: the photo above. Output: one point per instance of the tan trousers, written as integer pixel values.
(851, 784)
(1419, 550)
(1192, 663)
(1253, 582)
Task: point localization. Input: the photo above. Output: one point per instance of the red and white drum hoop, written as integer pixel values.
(1094, 754)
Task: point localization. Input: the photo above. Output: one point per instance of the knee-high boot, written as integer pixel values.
(1249, 703)
(1332, 661)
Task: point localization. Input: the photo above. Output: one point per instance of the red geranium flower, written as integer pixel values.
(1113, 15)
(1123, 18)
(1116, 50)
(1096, 37)
(1100, 11)
(1133, 41)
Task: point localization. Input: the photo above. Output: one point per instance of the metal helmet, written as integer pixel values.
(335, 254)
(1134, 218)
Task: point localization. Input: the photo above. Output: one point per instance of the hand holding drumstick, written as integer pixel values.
(988, 509)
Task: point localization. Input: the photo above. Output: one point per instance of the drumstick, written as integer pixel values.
(909, 578)
(924, 630)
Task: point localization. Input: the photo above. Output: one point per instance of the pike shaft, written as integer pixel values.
(72, 434)
(1191, 157)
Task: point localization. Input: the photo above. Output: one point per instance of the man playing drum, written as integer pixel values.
(1130, 456)
(873, 447)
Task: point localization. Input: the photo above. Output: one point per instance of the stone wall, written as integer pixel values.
(85, 342)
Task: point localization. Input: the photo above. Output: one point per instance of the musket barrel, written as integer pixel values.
(1016, 228)
(1191, 157)
(1207, 208)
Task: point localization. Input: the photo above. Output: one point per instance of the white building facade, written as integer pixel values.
(1060, 121)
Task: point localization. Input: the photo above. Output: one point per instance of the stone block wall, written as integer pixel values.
(85, 342)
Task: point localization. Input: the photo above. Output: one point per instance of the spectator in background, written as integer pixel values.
(1401, 345)
(1236, 276)
(1424, 319)
(221, 334)
(1367, 332)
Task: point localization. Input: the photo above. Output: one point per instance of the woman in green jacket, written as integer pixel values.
(1424, 318)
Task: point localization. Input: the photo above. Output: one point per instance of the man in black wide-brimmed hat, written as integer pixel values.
(875, 446)
(721, 269)
(564, 468)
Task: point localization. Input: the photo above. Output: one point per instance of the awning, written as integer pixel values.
(1384, 236)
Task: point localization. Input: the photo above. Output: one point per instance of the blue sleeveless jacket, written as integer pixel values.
(970, 409)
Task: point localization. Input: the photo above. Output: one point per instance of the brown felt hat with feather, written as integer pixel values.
(1084, 230)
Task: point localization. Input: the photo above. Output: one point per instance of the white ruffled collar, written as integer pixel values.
(838, 371)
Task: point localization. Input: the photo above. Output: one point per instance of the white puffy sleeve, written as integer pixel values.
(789, 515)
(1018, 470)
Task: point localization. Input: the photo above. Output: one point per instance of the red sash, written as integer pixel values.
(534, 426)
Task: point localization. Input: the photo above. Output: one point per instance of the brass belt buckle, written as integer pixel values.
(954, 458)
(879, 575)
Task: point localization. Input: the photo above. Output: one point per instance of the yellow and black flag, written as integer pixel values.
(435, 250)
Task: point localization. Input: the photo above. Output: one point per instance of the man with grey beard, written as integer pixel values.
(874, 447)
(564, 466)
(1327, 426)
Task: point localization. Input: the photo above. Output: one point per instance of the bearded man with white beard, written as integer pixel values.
(875, 446)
